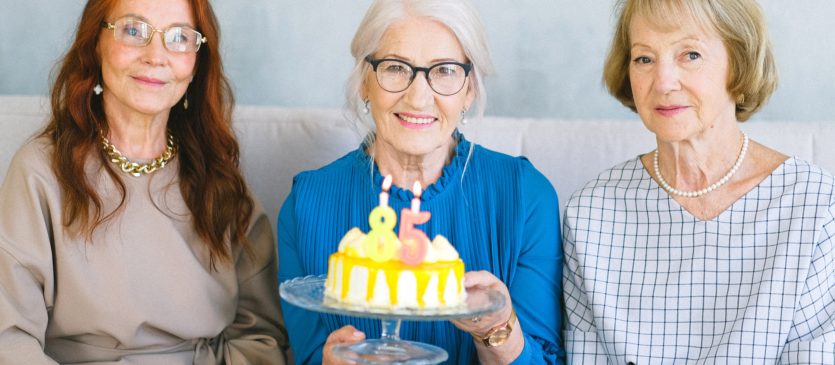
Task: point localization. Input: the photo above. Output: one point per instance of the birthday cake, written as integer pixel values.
(383, 270)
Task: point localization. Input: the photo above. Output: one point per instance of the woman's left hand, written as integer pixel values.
(480, 325)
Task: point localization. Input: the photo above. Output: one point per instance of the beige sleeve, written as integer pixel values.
(26, 271)
(258, 335)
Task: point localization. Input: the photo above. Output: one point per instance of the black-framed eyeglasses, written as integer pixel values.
(134, 32)
(445, 78)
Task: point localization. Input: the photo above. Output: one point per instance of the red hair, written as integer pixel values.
(209, 157)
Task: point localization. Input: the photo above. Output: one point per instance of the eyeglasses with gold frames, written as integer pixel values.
(134, 32)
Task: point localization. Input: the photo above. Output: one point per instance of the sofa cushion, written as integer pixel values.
(277, 143)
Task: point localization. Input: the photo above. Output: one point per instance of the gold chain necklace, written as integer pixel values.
(134, 168)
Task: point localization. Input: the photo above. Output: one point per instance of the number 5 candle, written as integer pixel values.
(414, 241)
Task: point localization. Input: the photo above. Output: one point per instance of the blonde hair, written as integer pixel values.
(458, 15)
(752, 74)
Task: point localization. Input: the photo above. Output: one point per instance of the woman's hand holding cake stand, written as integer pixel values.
(497, 335)
(346, 335)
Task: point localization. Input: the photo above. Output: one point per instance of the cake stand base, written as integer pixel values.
(386, 351)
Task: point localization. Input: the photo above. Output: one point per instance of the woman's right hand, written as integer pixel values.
(345, 335)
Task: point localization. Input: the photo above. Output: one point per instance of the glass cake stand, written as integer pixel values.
(309, 293)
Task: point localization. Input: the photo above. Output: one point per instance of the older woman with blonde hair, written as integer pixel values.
(712, 248)
(419, 69)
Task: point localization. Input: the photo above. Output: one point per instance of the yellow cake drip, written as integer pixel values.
(346, 276)
(459, 276)
(423, 283)
(329, 278)
(391, 270)
(441, 285)
(391, 280)
(372, 282)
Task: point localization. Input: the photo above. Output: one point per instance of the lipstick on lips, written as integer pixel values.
(150, 81)
(670, 110)
(415, 120)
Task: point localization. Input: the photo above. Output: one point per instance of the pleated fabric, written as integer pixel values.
(498, 211)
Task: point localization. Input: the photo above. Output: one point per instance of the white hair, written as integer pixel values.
(459, 16)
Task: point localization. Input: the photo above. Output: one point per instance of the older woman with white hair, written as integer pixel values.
(419, 69)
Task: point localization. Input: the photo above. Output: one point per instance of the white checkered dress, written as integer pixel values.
(648, 283)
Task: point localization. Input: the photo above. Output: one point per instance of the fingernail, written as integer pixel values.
(357, 334)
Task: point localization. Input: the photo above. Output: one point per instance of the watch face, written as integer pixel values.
(499, 337)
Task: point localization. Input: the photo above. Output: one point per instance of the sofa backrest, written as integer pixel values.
(277, 143)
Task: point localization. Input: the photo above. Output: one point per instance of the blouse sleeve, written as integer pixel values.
(536, 287)
(811, 338)
(257, 335)
(581, 343)
(26, 274)
(307, 333)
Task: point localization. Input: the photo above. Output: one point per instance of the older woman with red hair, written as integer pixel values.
(127, 232)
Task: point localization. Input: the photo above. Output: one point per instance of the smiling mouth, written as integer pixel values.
(149, 81)
(670, 110)
(415, 120)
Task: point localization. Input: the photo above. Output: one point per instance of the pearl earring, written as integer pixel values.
(98, 89)
(365, 108)
(463, 118)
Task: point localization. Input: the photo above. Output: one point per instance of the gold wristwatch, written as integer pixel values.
(497, 336)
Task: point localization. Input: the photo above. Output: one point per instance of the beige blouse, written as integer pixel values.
(141, 291)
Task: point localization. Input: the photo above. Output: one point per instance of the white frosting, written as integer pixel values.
(430, 298)
(358, 284)
(437, 250)
(451, 294)
(353, 239)
(440, 250)
(381, 291)
(407, 290)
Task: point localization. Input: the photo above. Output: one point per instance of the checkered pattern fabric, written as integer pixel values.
(648, 283)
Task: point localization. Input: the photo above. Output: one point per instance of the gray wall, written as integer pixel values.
(548, 53)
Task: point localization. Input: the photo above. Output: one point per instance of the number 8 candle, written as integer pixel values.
(381, 242)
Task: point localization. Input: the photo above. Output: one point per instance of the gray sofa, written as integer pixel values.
(277, 143)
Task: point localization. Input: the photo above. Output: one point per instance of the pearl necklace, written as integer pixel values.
(134, 168)
(716, 185)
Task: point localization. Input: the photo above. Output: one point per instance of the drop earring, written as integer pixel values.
(98, 89)
(185, 103)
(463, 118)
(365, 109)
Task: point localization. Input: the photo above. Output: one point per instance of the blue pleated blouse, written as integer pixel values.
(499, 212)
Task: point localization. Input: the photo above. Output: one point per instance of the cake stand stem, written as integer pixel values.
(391, 330)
